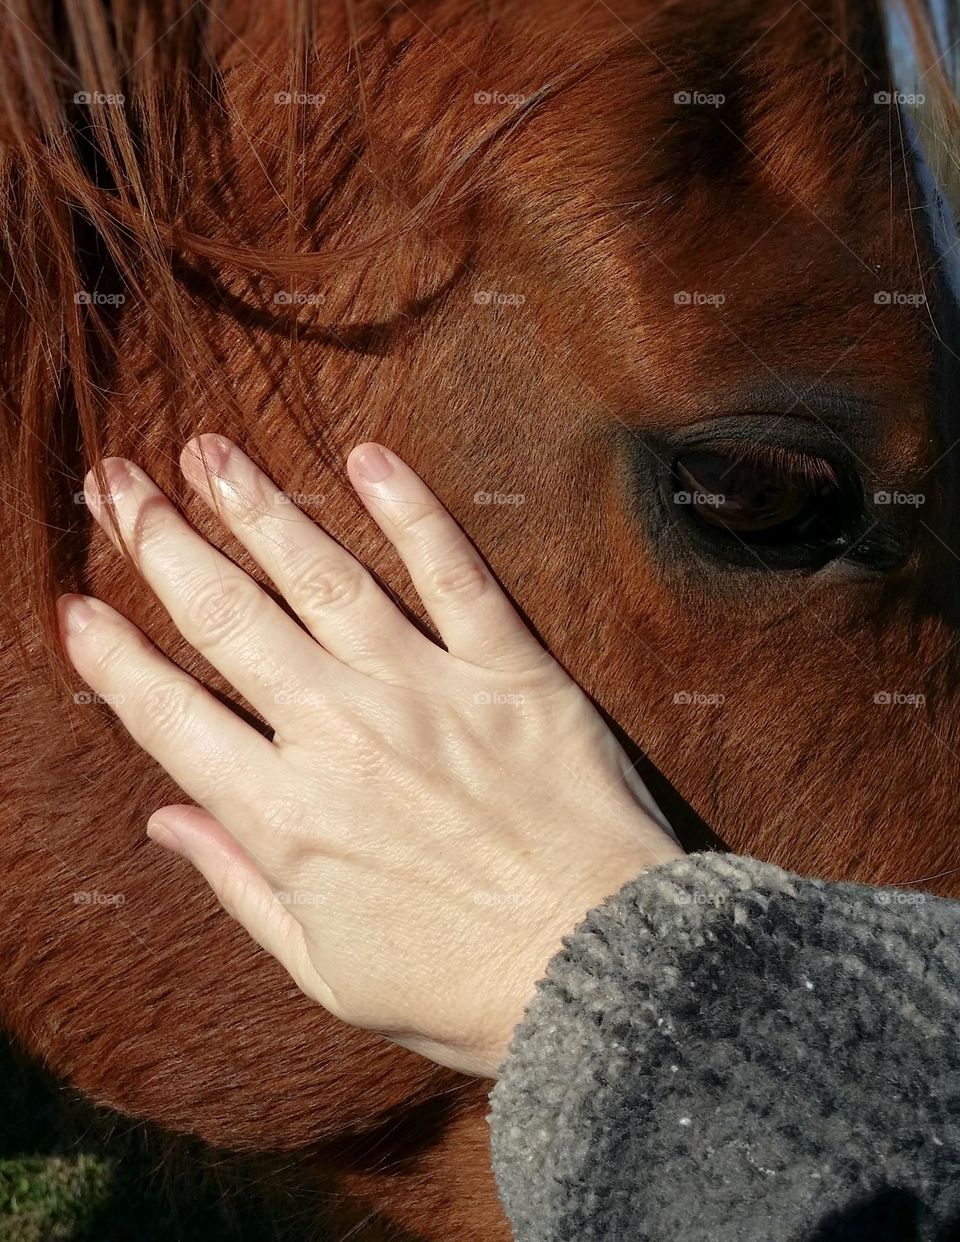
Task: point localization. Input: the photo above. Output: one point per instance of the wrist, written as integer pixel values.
(603, 879)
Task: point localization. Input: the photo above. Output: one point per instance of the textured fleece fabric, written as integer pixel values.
(724, 1052)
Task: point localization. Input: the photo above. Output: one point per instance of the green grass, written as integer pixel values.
(71, 1173)
(54, 1198)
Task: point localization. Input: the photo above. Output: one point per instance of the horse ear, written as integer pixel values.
(925, 43)
(872, 37)
(854, 36)
(793, 81)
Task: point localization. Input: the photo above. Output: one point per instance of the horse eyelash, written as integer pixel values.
(783, 463)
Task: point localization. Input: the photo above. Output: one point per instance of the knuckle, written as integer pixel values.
(147, 527)
(416, 518)
(464, 580)
(113, 648)
(291, 831)
(368, 759)
(326, 581)
(165, 708)
(246, 504)
(284, 816)
(233, 893)
(339, 1007)
(215, 610)
(346, 1007)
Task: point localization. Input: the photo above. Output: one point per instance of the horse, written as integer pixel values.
(652, 295)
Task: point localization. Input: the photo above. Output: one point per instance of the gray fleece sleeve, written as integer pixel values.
(724, 1052)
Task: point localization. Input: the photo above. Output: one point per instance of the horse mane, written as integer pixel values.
(91, 197)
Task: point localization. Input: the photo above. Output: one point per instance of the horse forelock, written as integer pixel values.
(421, 121)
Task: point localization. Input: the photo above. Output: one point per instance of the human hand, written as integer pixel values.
(426, 824)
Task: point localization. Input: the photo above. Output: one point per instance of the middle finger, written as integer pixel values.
(335, 597)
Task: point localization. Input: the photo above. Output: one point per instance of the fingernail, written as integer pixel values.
(210, 449)
(162, 834)
(75, 612)
(116, 474)
(119, 474)
(371, 463)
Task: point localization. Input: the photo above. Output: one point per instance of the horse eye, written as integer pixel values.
(762, 496)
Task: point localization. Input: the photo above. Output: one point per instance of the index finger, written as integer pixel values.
(470, 609)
